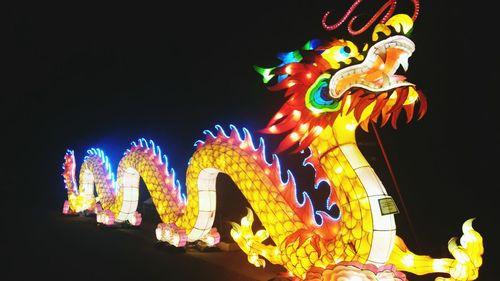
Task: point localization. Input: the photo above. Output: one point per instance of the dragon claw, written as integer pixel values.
(256, 261)
(467, 255)
(251, 243)
(464, 266)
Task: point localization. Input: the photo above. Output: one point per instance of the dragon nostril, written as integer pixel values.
(347, 50)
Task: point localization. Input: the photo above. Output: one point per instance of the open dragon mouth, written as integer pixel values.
(369, 91)
(377, 72)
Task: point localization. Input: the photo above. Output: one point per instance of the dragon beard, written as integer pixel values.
(303, 125)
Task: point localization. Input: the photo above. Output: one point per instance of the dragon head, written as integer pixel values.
(340, 84)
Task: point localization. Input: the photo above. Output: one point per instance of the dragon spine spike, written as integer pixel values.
(220, 131)
(172, 176)
(275, 172)
(198, 144)
(276, 166)
(261, 151)
(165, 162)
(153, 148)
(209, 135)
(289, 189)
(158, 153)
(248, 139)
(145, 142)
(235, 133)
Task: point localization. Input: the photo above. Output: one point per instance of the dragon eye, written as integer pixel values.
(324, 96)
(340, 52)
(318, 98)
(345, 51)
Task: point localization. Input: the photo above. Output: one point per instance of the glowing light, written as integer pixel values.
(408, 260)
(439, 265)
(245, 222)
(351, 126)
(318, 129)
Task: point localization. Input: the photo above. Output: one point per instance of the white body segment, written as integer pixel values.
(207, 203)
(384, 226)
(129, 183)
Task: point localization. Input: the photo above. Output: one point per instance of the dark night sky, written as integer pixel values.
(92, 75)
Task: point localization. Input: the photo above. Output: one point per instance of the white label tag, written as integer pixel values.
(388, 206)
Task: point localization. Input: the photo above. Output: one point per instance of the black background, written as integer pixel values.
(84, 75)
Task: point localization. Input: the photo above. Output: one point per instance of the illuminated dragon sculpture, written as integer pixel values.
(332, 89)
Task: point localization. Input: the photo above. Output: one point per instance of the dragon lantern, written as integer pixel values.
(330, 88)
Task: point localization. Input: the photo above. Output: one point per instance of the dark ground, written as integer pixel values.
(76, 248)
(83, 75)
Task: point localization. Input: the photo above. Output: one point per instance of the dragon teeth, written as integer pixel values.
(404, 62)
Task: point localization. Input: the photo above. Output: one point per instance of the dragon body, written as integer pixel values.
(331, 89)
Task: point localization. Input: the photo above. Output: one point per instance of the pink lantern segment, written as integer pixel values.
(106, 217)
(171, 234)
(66, 207)
(135, 219)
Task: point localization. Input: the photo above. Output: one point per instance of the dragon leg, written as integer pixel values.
(464, 265)
(177, 236)
(251, 243)
(171, 233)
